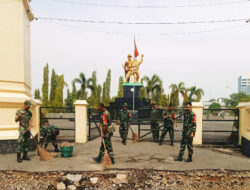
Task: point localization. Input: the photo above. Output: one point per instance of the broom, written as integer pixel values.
(44, 155)
(134, 136)
(106, 162)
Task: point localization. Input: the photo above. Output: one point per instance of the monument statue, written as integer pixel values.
(131, 68)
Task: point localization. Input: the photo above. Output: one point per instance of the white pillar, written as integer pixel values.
(244, 123)
(36, 104)
(81, 121)
(197, 108)
(15, 72)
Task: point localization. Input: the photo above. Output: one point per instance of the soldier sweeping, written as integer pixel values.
(24, 116)
(189, 128)
(123, 120)
(169, 123)
(154, 123)
(48, 134)
(106, 133)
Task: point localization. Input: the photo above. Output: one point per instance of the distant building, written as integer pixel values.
(244, 84)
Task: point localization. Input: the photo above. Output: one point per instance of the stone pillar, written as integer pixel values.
(36, 104)
(244, 121)
(81, 121)
(198, 110)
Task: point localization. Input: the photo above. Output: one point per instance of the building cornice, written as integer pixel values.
(28, 9)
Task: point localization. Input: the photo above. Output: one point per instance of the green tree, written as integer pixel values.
(74, 92)
(164, 100)
(53, 86)
(93, 99)
(235, 99)
(153, 86)
(84, 84)
(176, 90)
(58, 101)
(195, 94)
(45, 86)
(37, 94)
(99, 93)
(215, 105)
(69, 99)
(120, 88)
(106, 89)
(142, 92)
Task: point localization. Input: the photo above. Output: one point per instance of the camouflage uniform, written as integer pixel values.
(189, 126)
(168, 125)
(48, 134)
(24, 134)
(154, 123)
(124, 118)
(105, 126)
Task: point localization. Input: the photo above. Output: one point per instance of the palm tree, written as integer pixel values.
(195, 94)
(84, 83)
(153, 86)
(176, 90)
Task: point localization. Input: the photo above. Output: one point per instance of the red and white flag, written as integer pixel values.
(136, 53)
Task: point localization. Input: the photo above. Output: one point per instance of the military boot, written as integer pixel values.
(25, 156)
(56, 148)
(189, 159)
(97, 159)
(19, 157)
(112, 160)
(160, 143)
(172, 143)
(178, 158)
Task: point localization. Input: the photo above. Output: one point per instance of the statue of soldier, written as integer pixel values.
(189, 128)
(24, 116)
(169, 123)
(128, 66)
(136, 65)
(48, 134)
(106, 134)
(123, 120)
(154, 123)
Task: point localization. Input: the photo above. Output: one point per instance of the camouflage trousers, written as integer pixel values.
(23, 141)
(123, 131)
(169, 129)
(155, 130)
(186, 141)
(108, 145)
(46, 140)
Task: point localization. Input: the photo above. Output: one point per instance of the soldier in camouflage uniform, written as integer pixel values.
(48, 134)
(189, 128)
(23, 116)
(169, 123)
(154, 123)
(106, 133)
(124, 122)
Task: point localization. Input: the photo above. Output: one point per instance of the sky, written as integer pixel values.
(210, 56)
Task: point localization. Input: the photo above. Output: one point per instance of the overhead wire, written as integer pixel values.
(146, 34)
(150, 6)
(142, 23)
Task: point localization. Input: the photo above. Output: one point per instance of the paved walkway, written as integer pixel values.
(139, 155)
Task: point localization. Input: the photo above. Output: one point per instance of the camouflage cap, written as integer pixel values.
(45, 121)
(27, 102)
(125, 105)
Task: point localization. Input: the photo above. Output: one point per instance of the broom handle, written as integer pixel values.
(103, 138)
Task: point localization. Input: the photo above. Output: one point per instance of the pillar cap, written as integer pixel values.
(197, 105)
(243, 105)
(36, 102)
(81, 102)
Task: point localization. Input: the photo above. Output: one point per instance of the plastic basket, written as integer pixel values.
(66, 151)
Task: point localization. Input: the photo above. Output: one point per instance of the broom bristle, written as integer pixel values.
(135, 138)
(106, 160)
(44, 155)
